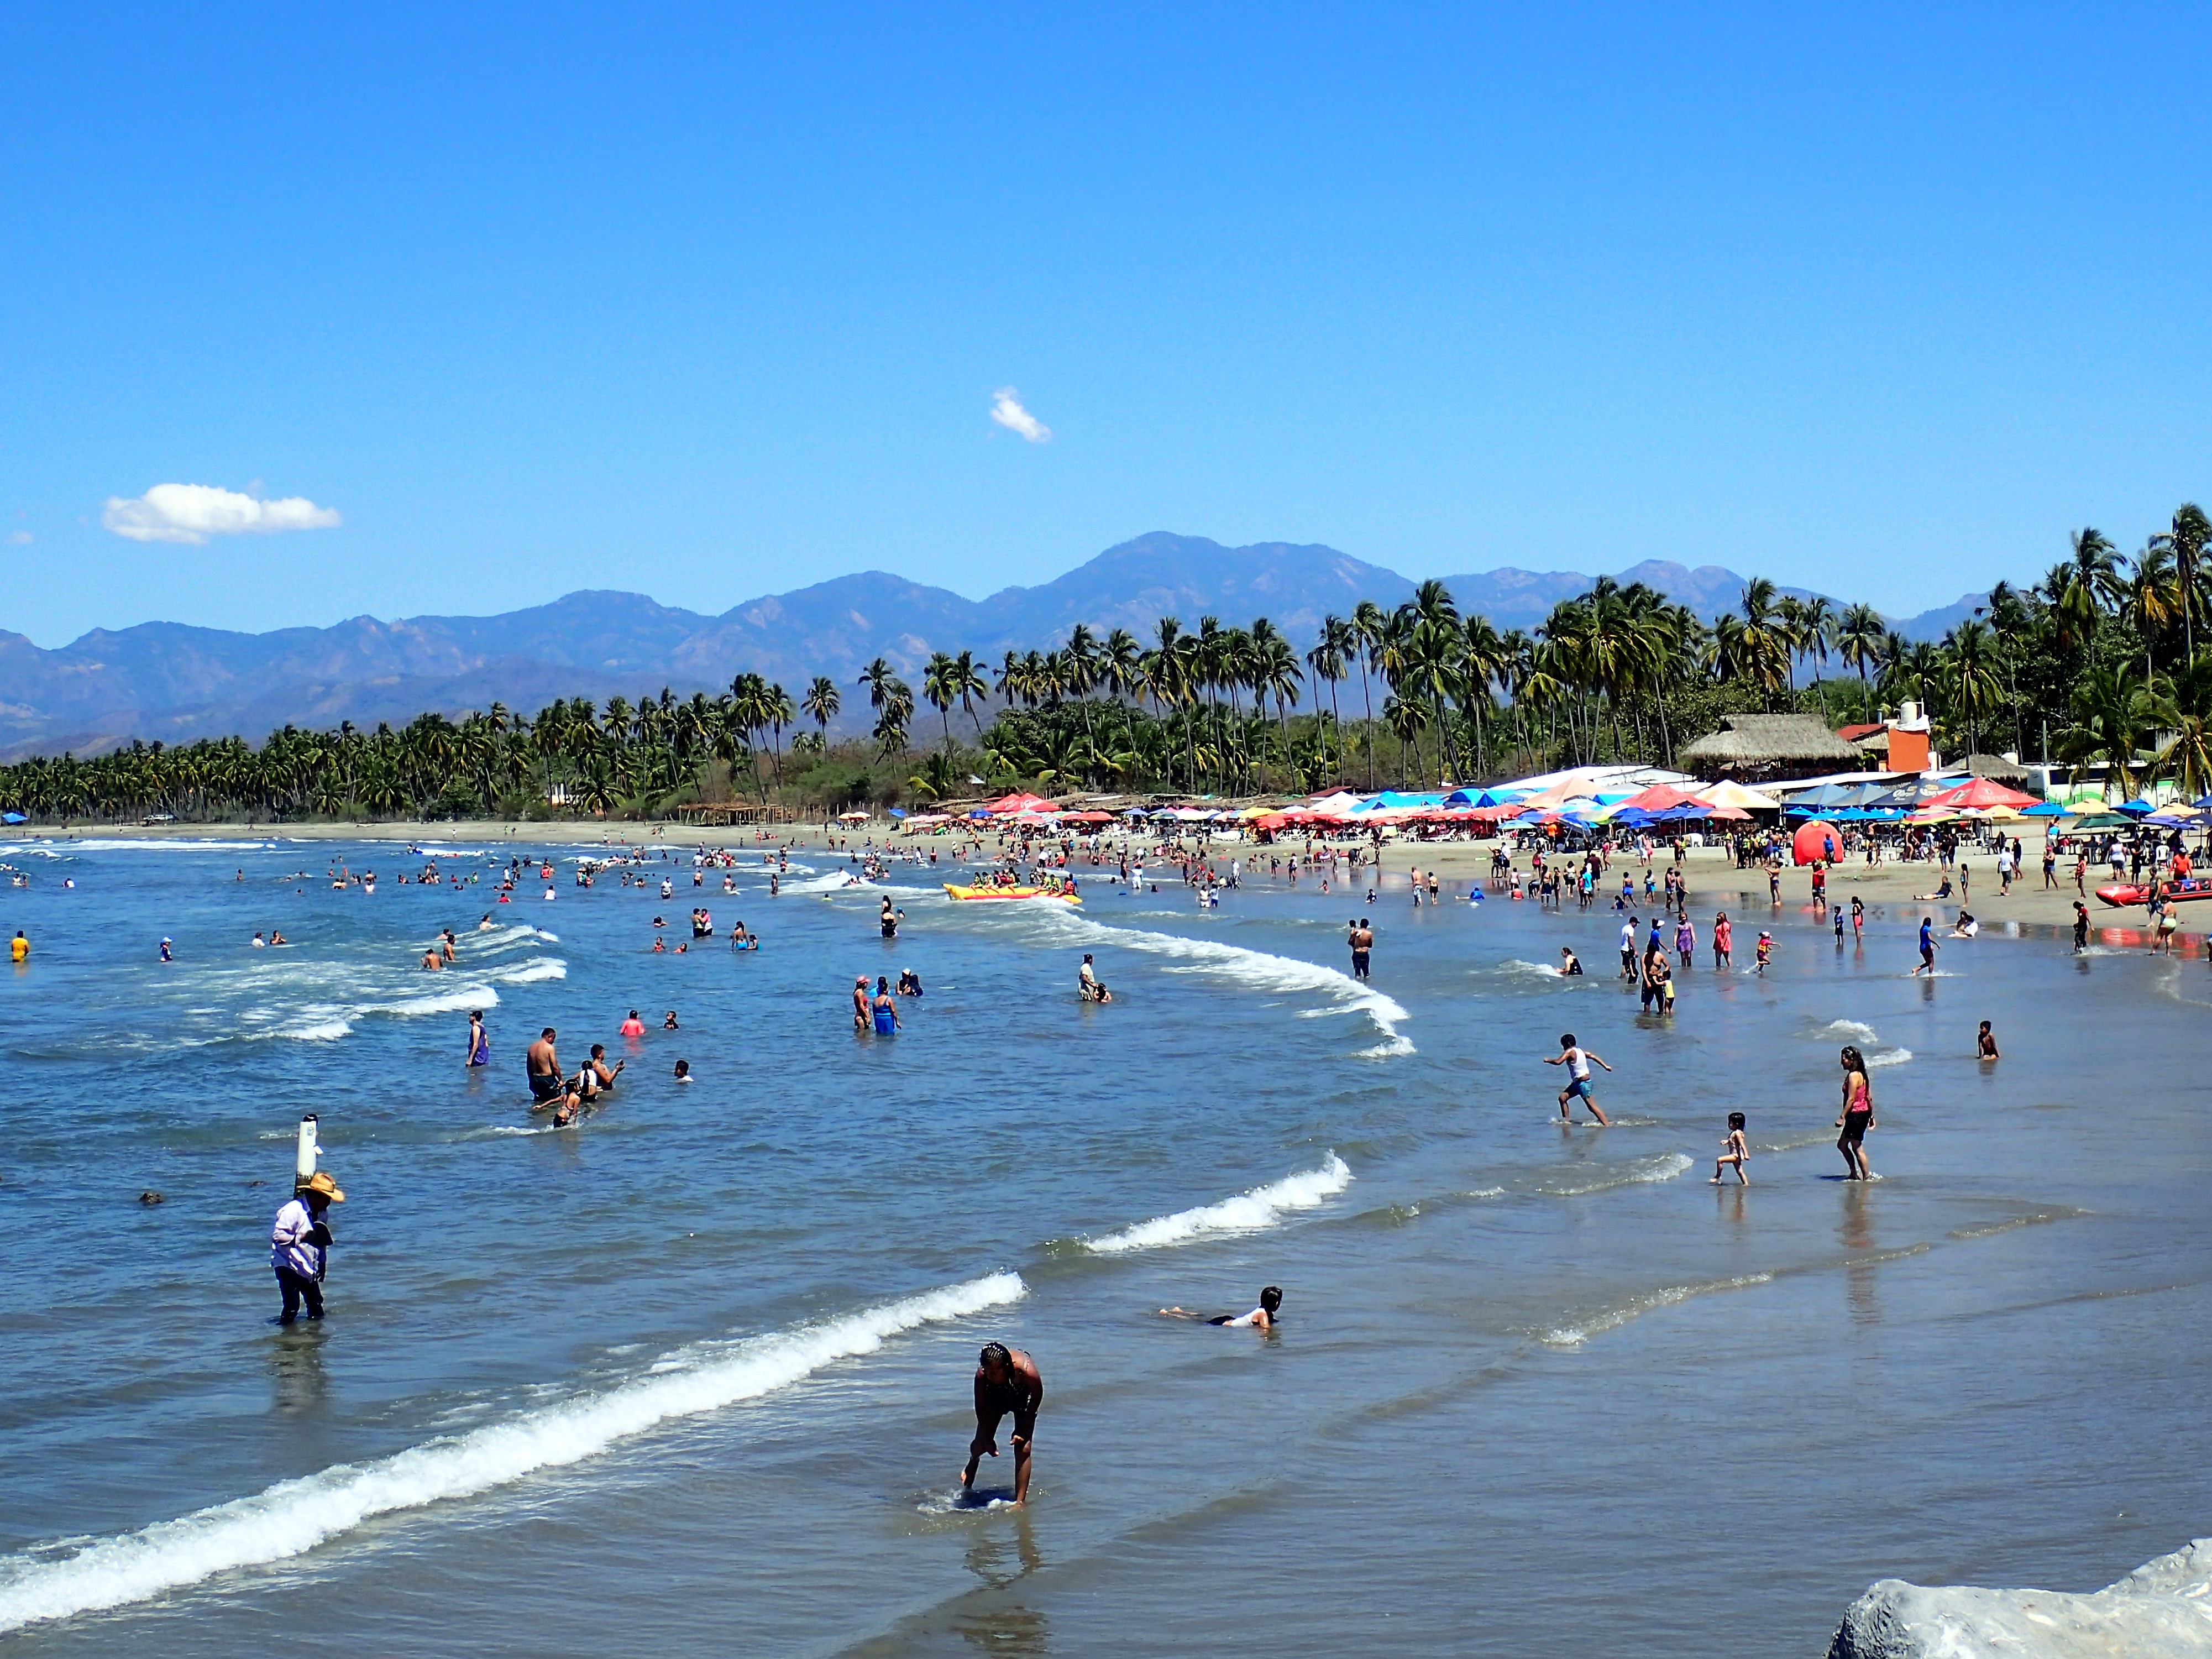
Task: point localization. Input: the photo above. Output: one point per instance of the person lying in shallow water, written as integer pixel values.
(1264, 1317)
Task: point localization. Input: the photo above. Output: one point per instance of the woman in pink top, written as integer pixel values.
(1721, 934)
(633, 1026)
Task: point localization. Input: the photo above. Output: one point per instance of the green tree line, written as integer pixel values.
(2096, 664)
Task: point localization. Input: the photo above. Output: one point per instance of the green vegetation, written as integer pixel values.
(2096, 664)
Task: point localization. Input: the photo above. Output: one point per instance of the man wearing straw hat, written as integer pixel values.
(299, 1244)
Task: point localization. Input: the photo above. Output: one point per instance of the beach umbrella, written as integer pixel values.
(2103, 820)
(1735, 814)
(1729, 793)
(2137, 808)
(1656, 799)
(1981, 792)
(12, 817)
(2044, 809)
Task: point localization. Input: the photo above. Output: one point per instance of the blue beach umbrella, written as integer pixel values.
(2044, 809)
(2134, 809)
(12, 817)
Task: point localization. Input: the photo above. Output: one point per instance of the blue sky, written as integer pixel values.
(708, 303)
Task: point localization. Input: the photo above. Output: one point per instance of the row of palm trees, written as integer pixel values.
(2095, 664)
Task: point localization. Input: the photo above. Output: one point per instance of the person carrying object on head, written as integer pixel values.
(298, 1246)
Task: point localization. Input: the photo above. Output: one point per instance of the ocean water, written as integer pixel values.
(694, 1375)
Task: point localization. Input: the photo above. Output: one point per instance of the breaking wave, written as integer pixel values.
(293, 1517)
(1249, 1211)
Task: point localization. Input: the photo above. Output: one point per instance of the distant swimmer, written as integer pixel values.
(668, 1022)
(165, 943)
(1264, 1317)
(479, 1040)
(447, 941)
(299, 1245)
(1577, 1060)
(484, 926)
(1985, 1043)
(682, 1071)
(19, 948)
(632, 1027)
(430, 960)
(1006, 1380)
(260, 943)
(276, 937)
(885, 1009)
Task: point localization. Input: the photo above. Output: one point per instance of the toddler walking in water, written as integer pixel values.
(1735, 1150)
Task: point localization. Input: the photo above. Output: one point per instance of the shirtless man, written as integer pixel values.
(1006, 1380)
(545, 1071)
(1362, 940)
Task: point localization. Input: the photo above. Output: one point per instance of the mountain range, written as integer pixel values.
(174, 683)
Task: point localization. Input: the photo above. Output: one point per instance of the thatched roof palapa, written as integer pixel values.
(1768, 746)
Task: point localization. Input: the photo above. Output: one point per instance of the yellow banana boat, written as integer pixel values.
(1009, 893)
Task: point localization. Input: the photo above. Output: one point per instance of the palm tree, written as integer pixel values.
(2092, 581)
(2110, 720)
(1367, 625)
(2152, 597)
(1859, 636)
(2185, 539)
(1332, 652)
(938, 687)
(1970, 683)
(821, 702)
(1483, 661)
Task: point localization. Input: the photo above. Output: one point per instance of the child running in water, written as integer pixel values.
(1735, 1150)
(1577, 1062)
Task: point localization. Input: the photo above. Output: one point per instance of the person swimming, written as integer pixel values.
(682, 1071)
(1264, 1317)
(632, 1027)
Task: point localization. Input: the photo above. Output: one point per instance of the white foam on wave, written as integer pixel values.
(1873, 1050)
(1258, 969)
(293, 1517)
(1573, 1336)
(117, 844)
(1249, 1211)
(1636, 1172)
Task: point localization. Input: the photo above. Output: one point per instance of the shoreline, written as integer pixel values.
(1891, 885)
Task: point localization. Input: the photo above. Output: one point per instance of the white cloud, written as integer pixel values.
(193, 513)
(22, 538)
(1007, 410)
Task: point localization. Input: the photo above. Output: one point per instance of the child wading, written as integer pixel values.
(1735, 1150)
(1577, 1062)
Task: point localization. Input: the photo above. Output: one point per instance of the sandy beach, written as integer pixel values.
(1890, 884)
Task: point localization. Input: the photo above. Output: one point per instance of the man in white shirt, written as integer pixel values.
(298, 1244)
(1628, 948)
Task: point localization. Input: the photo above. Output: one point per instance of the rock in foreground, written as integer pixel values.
(2162, 1608)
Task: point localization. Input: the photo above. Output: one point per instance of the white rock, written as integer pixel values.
(2162, 1608)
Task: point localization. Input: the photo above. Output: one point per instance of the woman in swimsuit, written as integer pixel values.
(1858, 1118)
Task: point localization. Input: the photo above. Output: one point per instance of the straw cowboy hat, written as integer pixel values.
(321, 1183)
